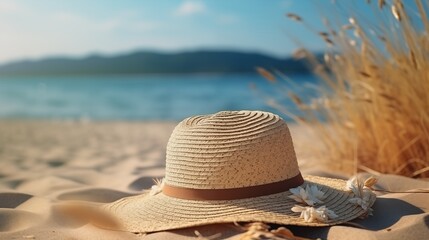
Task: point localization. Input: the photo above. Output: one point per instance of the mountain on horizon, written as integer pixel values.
(150, 62)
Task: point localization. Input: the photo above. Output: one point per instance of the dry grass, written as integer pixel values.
(375, 104)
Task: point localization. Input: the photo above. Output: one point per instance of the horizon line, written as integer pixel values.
(137, 50)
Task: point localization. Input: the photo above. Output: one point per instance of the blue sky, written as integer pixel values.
(34, 29)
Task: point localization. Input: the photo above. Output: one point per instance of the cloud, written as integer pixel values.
(188, 8)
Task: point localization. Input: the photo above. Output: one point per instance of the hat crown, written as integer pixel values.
(230, 149)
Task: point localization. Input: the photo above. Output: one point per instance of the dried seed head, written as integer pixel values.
(388, 97)
(337, 57)
(324, 34)
(328, 41)
(357, 33)
(396, 13)
(300, 53)
(382, 38)
(294, 17)
(413, 59)
(326, 57)
(295, 99)
(365, 74)
(400, 5)
(347, 27)
(266, 74)
(381, 3)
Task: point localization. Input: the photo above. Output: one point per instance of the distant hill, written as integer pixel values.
(146, 62)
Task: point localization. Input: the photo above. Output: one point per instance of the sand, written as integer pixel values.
(48, 164)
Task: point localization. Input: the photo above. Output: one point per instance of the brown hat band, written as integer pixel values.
(232, 193)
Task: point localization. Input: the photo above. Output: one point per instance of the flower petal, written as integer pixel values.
(306, 215)
(310, 214)
(295, 191)
(369, 182)
(297, 208)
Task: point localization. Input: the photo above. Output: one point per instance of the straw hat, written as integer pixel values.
(237, 166)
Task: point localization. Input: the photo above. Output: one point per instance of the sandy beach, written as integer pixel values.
(48, 163)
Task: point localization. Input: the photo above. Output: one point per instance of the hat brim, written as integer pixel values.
(146, 213)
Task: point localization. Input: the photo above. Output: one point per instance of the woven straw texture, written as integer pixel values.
(229, 150)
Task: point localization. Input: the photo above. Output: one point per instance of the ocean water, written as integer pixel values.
(144, 97)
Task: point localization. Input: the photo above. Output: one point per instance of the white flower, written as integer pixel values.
(350, 184)
(364, 200)
(311, 195)
(157, 188)
(362, 192)
(360, 202)
(325, 213)
(310, 214)
(358, 187)
(316, 193)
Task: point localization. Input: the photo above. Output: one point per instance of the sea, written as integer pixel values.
(147, 97)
